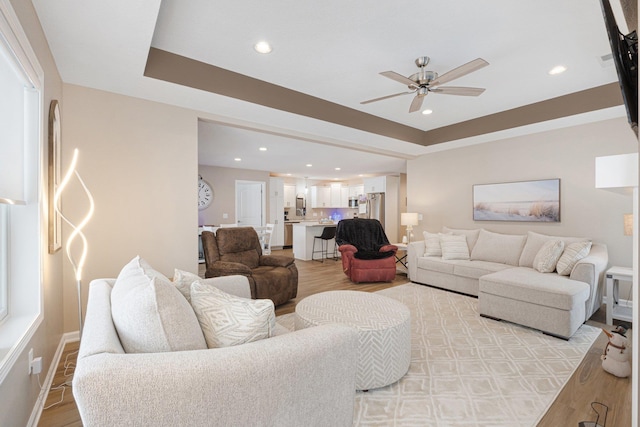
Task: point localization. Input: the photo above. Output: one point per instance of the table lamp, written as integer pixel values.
(409, 220)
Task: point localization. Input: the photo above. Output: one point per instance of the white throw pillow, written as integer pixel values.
(454, 246)
(228, 320)
(573, 253)
(432, 244)
(150, 314)
(548, 256)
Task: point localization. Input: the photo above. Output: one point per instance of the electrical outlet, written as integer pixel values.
(30, 360)
(36, 365)
(225, 216)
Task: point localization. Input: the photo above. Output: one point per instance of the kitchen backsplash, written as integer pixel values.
(318, 213)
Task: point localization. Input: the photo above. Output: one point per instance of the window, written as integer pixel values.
(21, 204)
(4, 274)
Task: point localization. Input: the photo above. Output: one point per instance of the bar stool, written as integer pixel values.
(328, 233)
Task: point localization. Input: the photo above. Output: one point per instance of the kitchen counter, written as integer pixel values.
(304, 233)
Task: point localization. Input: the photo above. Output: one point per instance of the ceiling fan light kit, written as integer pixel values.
(425, 81)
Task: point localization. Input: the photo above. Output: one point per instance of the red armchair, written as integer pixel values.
(367, 255)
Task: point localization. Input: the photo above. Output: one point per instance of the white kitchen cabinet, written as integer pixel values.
(336, 196)
(320, 196)
(375, 185)
(289, 196)
(344, 197)
(356, 190)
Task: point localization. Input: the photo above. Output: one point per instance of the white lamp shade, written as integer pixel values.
(407, 218)
(617, 172)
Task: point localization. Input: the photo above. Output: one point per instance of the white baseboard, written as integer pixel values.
(44, 391)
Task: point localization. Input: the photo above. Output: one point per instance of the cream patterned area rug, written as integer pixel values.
(467, 370)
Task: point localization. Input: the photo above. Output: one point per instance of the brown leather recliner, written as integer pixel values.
(237, 250)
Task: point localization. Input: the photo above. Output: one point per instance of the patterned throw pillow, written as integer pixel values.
(454, 247)
(573, 253)
(548, 256)
(183, 280)
(228, 320)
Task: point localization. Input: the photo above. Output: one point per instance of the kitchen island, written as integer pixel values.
(303, 235)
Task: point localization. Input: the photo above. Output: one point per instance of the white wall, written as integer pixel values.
(439, 185)
(223, 183)
(19, 391)
(139, 159)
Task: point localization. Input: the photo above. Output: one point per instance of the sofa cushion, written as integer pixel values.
(435, 264)
(526, 284)
(573, 253)
(454, 247)
(228, 320)
(150, 314)
(535, 242)
(548, 256)
(496, 247)
(432, 244)
(472, 235)
(477, 269)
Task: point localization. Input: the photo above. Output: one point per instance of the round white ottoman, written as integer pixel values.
(384, 331)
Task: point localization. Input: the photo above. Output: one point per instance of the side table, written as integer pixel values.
(614, 310)
(402, 247)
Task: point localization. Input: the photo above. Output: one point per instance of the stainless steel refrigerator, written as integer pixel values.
(375, 207)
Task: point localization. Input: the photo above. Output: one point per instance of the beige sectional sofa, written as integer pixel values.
(508, 274)
(298, 378)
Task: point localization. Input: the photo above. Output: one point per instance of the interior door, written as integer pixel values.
(250, 203)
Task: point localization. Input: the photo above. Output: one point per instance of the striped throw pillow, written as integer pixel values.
(454, 247)
(573, 253)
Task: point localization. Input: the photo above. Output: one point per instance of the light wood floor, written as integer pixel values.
(590, 383)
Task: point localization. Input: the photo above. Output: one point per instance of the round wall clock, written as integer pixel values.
(205, 194)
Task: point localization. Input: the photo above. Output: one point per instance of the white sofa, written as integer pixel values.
(499, 271)
(300, 378)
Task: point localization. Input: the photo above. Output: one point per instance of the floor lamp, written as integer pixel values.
(409, 219)
(76, 262)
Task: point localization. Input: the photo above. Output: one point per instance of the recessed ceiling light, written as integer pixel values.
(237, 159)
(558, 69)
(337, 169)
(262, 148)
(262, 47)
(309, 165)
(427, 111)
(288, 174)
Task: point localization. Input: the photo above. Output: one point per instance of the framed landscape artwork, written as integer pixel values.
(534, 201)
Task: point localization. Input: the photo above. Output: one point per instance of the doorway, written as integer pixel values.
(250, 203)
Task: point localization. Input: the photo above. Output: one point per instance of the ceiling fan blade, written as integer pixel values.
(399, 78)
(457, 90)
(416, 104)
(385, 97)
(462, 70)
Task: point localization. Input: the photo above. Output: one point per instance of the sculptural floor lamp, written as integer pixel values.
(77, 261)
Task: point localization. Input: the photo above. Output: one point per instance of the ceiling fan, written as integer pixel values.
(424, 81)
